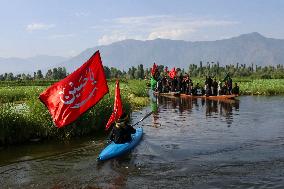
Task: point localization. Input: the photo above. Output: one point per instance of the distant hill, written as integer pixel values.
(29, 65)
(245, 49)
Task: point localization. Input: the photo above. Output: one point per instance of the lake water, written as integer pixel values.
(187, 143)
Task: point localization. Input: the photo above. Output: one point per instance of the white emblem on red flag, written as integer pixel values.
(70, 96)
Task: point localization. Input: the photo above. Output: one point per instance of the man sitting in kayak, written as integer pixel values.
(121, 132)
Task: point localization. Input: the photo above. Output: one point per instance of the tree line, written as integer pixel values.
(203, 69)
(51, 74)
(237, 70)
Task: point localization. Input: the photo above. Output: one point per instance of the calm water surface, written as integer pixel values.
(187, 143)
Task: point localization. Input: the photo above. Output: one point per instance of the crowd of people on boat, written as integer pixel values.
(170, 81)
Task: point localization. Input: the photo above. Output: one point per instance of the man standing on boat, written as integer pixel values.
(173, 79)
(207, 90)
(215, 87)
(165, 84)
(210, 83)
(229, 84)
(185, 84)
(236, 89)
(154, 77)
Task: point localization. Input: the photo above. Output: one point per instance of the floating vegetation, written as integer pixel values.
(262, 87)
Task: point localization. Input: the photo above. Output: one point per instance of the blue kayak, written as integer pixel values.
(114, 150)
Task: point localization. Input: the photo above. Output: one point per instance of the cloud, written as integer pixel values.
(38, 26)
(107, 39)
(156, 26)
(170, 33)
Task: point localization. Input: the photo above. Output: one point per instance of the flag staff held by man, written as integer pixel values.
(121, 131)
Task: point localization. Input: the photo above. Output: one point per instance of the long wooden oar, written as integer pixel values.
(147, 115)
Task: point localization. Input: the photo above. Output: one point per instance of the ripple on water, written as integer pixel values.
(190, 143)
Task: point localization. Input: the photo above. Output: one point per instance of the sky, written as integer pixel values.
(67, 27)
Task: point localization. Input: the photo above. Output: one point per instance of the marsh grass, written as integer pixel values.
(262, 87)
(250, 86)
(19, 93)
(23, 117)
(27, 83)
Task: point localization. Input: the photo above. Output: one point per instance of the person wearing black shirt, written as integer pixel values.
(236, 89)
(215, 87)
(121, 132)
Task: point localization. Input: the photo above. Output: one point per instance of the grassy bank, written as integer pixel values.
(24, 118)
(262, 87)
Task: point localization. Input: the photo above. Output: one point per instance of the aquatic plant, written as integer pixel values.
(250, 86)
(262, 87)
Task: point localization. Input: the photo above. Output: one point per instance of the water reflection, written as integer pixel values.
(186, 144)
(155, 109)
(210, 108)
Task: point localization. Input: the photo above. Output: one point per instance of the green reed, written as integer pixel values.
(23, 117)
(250, 86)
(19, 93)
(262, 87)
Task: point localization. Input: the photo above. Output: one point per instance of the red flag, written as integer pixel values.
(154, 69)
(117, 108)
(69, 98)
(172, 73)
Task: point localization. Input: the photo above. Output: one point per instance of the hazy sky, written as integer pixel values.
(67, 27)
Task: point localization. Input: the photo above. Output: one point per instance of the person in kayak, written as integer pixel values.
(121, 132)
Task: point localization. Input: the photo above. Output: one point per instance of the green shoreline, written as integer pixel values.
(23, 118)
(248, 86)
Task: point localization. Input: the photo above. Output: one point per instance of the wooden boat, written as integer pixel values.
(220, 97)
(171, 94)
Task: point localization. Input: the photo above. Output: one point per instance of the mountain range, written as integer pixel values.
(29, 65)
(244, 49)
